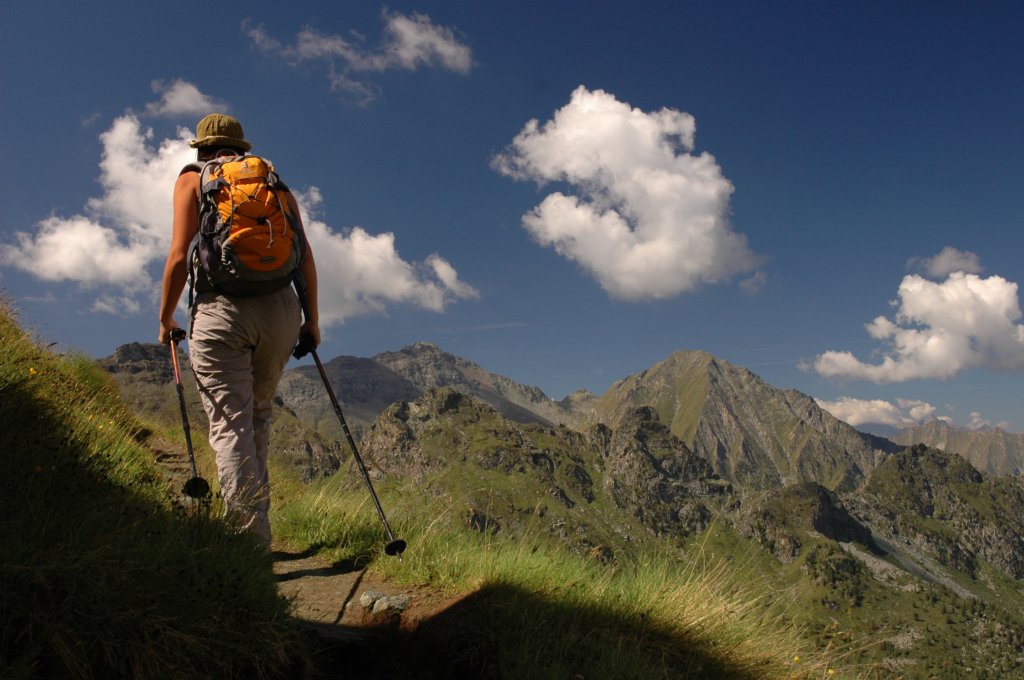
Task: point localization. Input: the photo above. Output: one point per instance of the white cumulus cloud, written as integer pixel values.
(949, 260)
(650, 218)
(856, 412)
(940, 329)
(181, 98)
(119, 233)
(116, 248)
(361, 273)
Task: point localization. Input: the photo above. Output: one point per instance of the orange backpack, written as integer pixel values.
(249, 241)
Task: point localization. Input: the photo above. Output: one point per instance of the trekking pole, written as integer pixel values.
(305, 346)
(197, 487)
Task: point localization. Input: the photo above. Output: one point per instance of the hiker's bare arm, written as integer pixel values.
(310, 304)
(184, 228)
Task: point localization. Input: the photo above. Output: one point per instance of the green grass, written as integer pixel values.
(99, 575)
(530, 609)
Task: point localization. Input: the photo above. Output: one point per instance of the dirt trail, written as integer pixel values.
(330, 597)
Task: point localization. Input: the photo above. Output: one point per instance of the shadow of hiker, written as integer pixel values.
(285, 556)
(503, 631)
(333, 569)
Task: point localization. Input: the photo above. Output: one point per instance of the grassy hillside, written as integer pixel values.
(103, 576)
(533, 610)
(99, 575)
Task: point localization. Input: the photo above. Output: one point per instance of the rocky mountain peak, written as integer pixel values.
(751, 432)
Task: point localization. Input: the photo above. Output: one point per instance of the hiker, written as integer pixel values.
(239, 342)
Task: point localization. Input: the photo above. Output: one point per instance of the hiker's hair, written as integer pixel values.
(205, 153)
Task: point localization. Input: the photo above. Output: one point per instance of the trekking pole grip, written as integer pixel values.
(304, 347)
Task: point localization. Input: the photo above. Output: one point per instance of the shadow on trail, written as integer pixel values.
(333, 569)
(285, 556)
(502, 631)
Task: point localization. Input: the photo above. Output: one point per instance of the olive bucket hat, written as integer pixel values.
(219, 128)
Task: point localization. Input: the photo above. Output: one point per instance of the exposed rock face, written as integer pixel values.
(581, 403)
(994, 451)
(145, 374)
(313, 454)
(426, 366)
(136, 358)
(781, 515)
(641, 468)
(653, 475)
(940, 505)
(750, 432)
(363, 387)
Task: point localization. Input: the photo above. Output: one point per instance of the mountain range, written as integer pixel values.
(692, 454)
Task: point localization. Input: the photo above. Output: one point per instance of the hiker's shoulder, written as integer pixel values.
(187, 179)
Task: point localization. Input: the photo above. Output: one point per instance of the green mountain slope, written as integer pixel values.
(752, 433)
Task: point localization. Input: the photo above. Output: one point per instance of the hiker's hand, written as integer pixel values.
(165, 331)
(312, 329)
(307, 342)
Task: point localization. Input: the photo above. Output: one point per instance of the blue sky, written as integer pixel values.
(825, 193)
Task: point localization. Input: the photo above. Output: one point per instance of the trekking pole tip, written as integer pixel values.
(395, 548)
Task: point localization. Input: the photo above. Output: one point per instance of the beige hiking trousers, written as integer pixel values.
(238, 348)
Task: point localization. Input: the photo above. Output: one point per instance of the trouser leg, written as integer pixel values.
(238, 350)
(224, 375)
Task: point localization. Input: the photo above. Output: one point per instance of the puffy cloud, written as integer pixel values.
(409, 42)
(939, 330)
(361, 273)
(138, 180)
(979, 422)
(949, 260)
(856, 412)
(919, 411)
(78, 249)
(651, 218)
(121, 232)
(181, 98)
(115, 247)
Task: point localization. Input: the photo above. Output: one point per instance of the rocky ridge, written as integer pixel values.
(994, 451)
